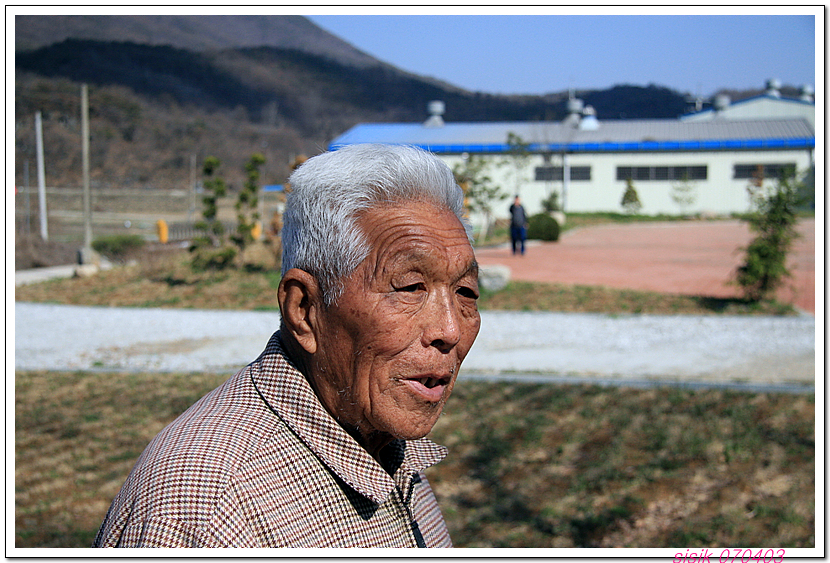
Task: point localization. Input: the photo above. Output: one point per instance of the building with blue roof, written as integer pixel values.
(769, 105)
(587, 163)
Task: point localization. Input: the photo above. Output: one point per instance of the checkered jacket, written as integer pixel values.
(259, 462)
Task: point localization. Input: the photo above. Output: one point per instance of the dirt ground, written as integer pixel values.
(687, 258)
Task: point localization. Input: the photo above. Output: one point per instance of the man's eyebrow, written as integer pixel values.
(471, 269)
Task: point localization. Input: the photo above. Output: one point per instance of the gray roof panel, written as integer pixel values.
(623, 135)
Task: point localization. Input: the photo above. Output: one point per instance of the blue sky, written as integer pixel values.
(536, 54)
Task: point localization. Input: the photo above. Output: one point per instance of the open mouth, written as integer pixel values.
(429, 388)
(430, 382)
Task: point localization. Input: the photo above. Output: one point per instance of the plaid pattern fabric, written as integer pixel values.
(258, 462)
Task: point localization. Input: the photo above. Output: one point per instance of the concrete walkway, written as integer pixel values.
(37, 275)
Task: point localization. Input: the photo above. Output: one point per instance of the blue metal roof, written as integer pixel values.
(612, 136)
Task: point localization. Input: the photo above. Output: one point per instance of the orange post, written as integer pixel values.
(161, 229)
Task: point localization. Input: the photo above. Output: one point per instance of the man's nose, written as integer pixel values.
(442, 328)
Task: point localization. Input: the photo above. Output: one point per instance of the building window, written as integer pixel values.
(581, 173)
(555, 173)
(642, 173)
(693, 173)
(749, 171)
(662, 173)
(549, 173)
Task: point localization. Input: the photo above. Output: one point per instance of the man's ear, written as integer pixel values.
(298, 294)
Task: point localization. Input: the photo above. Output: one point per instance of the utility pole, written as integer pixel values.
(41, 178)
(27, 225)
(87, 249)
(86, 255)
(191, 191)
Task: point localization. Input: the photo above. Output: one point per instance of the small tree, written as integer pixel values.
(247, 204)
(684, 194)
(551, 203)
(210, 249)
(479, 189)
(774, 220)
(517, 160)
(630, 200)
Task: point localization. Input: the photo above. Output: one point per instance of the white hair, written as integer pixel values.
(320, 233)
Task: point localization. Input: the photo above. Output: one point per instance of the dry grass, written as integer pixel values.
(167, 280)
(77, 435)
(161, 280)
(530, 296)
(529, 465)
(588, 466)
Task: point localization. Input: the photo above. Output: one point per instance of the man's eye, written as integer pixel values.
(411, 288)
(467, 292)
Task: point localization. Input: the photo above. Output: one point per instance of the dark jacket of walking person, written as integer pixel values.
(518, 226)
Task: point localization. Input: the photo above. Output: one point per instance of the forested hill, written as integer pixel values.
(190, 32)
(155, 107)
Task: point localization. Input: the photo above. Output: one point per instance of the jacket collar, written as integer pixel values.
(290, 396)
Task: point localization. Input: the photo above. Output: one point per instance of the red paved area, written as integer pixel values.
(688, 258)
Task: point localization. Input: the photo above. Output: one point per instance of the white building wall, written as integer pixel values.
(598, 194)
(720, 193)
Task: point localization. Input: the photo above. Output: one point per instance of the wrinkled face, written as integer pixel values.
(391, 347)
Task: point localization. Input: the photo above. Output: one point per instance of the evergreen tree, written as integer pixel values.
(630, 200)
(247, 213)
(210, 249)
(774, 220)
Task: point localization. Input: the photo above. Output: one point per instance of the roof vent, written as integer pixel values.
(589, 119)
(773, 86)
(722, 102)
(807, 93)
(436, 109)
(575, 106)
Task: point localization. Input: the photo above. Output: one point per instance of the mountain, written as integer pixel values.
(190, 33)
(165, 90)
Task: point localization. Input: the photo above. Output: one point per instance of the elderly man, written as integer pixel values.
(320, 441)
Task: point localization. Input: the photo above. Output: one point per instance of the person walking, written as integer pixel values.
(518, 226)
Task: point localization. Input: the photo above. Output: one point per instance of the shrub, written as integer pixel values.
(543, 227)
(774, 221)
(207, 258)
(118, 247)
(630, 200)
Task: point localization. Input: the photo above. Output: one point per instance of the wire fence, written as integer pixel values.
(124, 211)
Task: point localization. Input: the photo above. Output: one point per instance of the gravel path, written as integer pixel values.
(637, 348)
